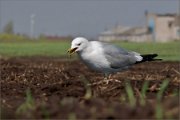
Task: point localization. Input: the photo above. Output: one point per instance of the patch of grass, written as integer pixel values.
(130, 94)
(27, 105)
(143, 92)
(159, 110)
(144, 88)
(166, 51)
(72, 116)
(34, 48)
(45, 112)
(87, 86)
(163, 87)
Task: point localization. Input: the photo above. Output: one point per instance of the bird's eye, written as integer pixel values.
(79, 44)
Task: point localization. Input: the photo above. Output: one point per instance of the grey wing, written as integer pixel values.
(118, 57)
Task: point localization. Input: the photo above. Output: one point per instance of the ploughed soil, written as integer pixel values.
(44, 87)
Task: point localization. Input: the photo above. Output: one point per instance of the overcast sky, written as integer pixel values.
(85, 18)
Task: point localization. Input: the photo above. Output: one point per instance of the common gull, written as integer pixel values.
(106, 58)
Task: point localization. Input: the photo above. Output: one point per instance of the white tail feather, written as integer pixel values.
(137, 56)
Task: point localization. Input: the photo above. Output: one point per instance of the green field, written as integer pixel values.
(34, 48)
(166, 51)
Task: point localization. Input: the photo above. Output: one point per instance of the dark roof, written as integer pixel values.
(168, 14)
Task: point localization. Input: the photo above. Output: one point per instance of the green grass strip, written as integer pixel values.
(130, 94)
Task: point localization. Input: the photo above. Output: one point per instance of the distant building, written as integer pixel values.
(159, 27)
(164, 27)
(122, 33)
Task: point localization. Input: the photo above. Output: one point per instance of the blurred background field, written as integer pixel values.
(30, 29)
(168, 51)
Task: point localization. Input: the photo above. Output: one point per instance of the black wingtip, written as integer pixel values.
(148, 57)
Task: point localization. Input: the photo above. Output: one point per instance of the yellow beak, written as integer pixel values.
(71, 50)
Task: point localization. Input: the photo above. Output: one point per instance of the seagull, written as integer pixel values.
(106, 58)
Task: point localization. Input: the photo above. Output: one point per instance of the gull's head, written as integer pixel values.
(78, 45)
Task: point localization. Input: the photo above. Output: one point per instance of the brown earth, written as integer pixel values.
(59, 89)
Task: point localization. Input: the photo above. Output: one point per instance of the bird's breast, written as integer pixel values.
(95, 60)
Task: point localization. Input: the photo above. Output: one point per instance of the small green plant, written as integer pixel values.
(159, 113)
(72, 116)
(143, 93)
(162, 89)
(159, 109)
(45, 112)
(28, 104)
(130, 94)
(144, 88)
(86, 83)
